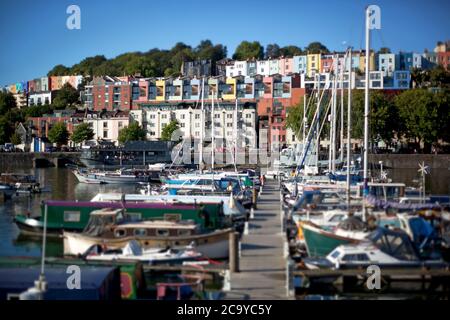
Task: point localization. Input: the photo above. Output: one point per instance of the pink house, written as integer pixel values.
(268, 87)
(286, 65)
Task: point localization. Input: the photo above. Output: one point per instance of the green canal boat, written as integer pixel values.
(74, 215)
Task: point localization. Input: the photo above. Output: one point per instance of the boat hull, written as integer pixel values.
(93, 178)
(214, 245)
(319, 242)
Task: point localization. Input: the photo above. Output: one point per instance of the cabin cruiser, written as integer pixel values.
(384, 247)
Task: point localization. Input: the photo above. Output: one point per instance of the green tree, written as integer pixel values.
(290, 51)
(38, 111)
(316, 47)
(383, 117)
(168, 130)
(88, 66)
(294, 118)
(59, 70)
(442, 100)
(82, 133)
(272, 51)
(6, 130)
(66, 97)
(439, 77)
(384, 50)
(7, 102)
(133, 132)
(206, 50)
(15, 139)
(58, 134)
(248, 50)
(419, 113)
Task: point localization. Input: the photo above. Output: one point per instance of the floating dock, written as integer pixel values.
(262, 264)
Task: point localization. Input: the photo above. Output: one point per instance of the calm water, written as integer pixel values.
(63, 185)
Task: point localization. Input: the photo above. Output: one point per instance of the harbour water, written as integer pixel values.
(61, 184)
(58, 184)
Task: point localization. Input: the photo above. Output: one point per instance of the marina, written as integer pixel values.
(188, 174)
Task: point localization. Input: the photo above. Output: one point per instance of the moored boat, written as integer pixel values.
(74, 215)
(134, 252)
(110, 228)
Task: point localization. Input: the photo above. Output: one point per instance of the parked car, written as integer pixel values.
(9, 147)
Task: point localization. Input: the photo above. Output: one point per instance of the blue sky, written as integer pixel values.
(35, 38)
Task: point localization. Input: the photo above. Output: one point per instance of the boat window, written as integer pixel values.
(134, 216)
(72, 216)
(162, 232)
(140, 232)
(335, 254)
(337, 218)
(119, 233)
(184, 232)
(362, 257)
(350, 257)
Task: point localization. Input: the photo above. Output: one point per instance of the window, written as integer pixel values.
(197, 116)
(152, 116)
(120, 124)
(335, 254)
(182, 116)
(229, 125)
(162, 233)
(164, 116)
(229, 116)
(72, 216)
(248, 116)
(105, 124)
(140, 232)
(182, 125)
(105, 134)
(217, 116)
(120, 233)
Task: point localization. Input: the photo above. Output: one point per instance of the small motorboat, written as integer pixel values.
(384, 247)
(134, 252)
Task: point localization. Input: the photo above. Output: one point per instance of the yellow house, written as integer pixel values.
(313, 64)
(362, 62)
(230, 94)
(160, 90)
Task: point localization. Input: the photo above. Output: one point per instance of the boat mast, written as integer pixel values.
(212, 131)
(235, 124)
(202, 120)
(349, 123)
(331, 148)
(341, 144)
(304, 120)
(318, 123)
(366, 112)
